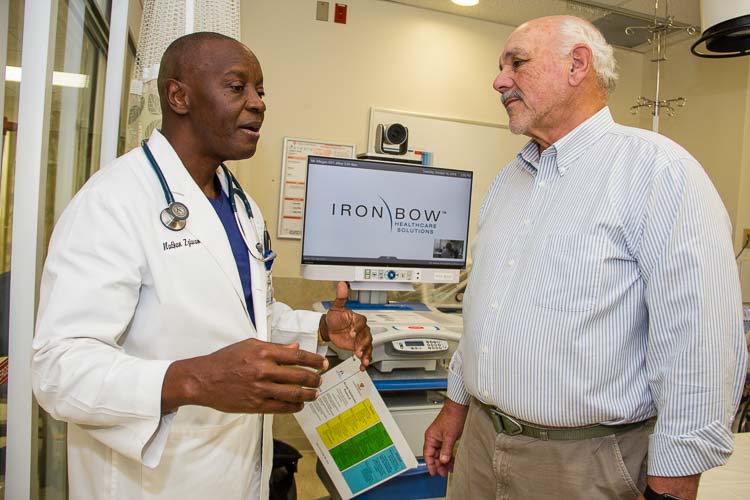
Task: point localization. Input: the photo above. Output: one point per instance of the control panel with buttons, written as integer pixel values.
(388, 274)
(419, 346)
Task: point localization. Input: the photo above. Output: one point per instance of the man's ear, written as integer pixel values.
(581, 65)
(177, 97)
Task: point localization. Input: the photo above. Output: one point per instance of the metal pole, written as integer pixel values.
(40, 23)
(118, 42)
(657, 99)
(69, 100)
(4, 9)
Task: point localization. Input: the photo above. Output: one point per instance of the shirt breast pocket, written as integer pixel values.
(568, 276)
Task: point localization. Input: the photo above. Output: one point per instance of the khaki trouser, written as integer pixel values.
(498, 466)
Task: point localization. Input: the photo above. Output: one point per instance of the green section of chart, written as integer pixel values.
(361, 446)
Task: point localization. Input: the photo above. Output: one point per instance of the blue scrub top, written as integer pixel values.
(239, 249)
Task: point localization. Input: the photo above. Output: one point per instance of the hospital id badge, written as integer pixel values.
(269, 289)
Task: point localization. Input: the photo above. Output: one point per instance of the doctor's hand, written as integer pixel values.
(347, 329)
(251, 376)
(440, 437)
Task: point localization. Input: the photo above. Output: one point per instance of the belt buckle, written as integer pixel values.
(503, 418)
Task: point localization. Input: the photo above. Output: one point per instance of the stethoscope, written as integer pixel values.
(174, 217)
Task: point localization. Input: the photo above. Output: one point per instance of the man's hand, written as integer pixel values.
(440, 437)
(685, 487)
(347, 329)
(247, 377)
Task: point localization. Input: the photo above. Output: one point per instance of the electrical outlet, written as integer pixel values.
(745, 236)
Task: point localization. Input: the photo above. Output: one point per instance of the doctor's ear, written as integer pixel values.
(177, 98)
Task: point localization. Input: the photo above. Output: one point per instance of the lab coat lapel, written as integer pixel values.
(203, 224)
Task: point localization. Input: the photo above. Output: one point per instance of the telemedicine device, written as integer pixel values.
(383, 222)
(383, 226)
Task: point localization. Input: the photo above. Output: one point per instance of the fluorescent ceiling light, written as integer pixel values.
(465, 3)
(59, 78)
(12, 74)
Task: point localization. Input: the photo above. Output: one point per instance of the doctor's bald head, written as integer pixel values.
(211, 93)
(187, 56)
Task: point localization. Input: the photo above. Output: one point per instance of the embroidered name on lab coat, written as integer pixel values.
(183, 243)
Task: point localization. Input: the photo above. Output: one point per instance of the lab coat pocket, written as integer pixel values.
(568, 272)
(223, 462)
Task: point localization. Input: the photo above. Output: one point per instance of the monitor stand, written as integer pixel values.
(367, 292)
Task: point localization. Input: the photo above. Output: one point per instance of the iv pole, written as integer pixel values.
(659, 30)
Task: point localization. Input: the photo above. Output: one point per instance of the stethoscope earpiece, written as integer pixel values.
(175, 216)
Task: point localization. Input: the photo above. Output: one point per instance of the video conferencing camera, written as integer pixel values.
(391, 139)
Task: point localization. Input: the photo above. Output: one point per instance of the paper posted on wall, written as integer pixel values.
(353, 433)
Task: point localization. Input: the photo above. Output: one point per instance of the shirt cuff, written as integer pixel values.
(456, 389)
(688, 454)
(308, 341)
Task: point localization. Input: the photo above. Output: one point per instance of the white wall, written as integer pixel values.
(135, 12)
(712, 124)
(743, 204)
(321, 79)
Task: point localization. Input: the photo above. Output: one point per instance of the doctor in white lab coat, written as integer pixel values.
(144, 343)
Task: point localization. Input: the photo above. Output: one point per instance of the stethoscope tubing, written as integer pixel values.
(162, 180)
(234, 189)
(174, 217)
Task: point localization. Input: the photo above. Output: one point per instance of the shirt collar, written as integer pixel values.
(568, 148)
(171, 166)
(529, 157)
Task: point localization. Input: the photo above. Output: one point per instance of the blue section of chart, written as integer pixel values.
(374, 469)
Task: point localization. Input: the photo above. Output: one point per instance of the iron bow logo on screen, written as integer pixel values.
(415, 220)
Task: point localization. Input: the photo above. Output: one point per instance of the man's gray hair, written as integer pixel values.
(574, 31)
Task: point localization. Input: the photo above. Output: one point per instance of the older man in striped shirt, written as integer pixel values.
(603, 293)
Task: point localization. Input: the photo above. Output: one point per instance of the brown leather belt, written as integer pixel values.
(506, 424)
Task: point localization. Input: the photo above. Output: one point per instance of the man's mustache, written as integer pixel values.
(511, 94)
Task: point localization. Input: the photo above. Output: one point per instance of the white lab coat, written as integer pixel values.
(121, 297)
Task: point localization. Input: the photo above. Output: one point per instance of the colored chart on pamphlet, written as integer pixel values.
(360, 446)
(353, 432)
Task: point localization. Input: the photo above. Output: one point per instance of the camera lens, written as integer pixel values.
(396, 134)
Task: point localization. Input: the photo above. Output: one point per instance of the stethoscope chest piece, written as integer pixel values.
(175, 216)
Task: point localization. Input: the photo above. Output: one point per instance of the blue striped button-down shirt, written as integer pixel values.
(604, 290)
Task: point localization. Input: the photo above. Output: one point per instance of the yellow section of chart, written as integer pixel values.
(347, 424)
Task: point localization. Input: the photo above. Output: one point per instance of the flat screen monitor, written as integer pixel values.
(371, 221)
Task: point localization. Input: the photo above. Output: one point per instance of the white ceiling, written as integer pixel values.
(515, 12)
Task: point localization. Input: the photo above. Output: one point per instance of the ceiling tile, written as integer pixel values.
(515, 12)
